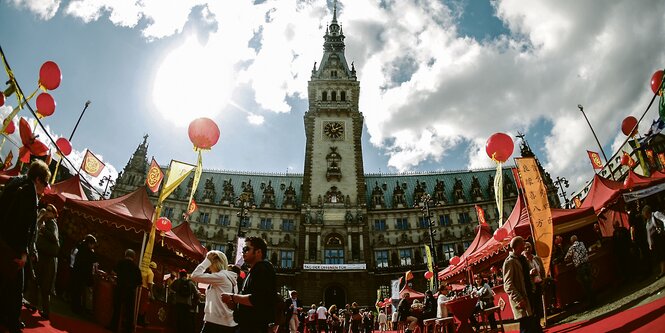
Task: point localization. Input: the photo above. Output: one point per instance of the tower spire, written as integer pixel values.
(334, 20)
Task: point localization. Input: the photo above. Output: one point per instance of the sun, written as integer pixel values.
(192, 81)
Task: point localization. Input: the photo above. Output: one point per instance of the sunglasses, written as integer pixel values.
(246, 249)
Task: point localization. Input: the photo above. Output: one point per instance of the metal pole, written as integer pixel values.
(593, 132)
(87, 103)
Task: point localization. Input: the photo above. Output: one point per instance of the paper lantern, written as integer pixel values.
(629, 126)
(628, 183)
(163, 224)
(499, 147)
(656, 79)
(10, 127)
(429, 275)
(625, 160)
(50, 75)
(203, 132)
(500, 234)
(45, 104)
(455, 260)
(64, 146)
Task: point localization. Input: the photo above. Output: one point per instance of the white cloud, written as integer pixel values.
(255, 119)
(45, 9)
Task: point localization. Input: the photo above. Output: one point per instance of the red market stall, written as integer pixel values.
(483, 235)
(412, 293)
(67, 189)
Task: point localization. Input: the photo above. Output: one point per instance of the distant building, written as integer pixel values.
(334, 232)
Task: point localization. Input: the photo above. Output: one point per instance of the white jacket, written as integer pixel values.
(221, 282)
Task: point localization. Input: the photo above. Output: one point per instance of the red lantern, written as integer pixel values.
(203, 132)
(163, 224)
(2, 98)
(625, 160)
(499, 147)
(45, 104)
(656, 79)
(243, 274)
(455, 260)
(64, 146)
(493, 269)
(50, 75)
(428, 275)
(628, 183)
(500, 234)
(629, 126)
(10, 127)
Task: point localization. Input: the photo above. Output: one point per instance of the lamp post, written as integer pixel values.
(108, 181)
(561, 183)
(427, 216)
(243, 202)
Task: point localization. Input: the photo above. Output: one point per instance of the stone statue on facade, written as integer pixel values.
(458, 190)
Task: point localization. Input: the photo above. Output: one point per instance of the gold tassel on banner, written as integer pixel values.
(498, 190)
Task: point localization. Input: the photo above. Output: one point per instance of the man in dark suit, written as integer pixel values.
(18, 224)
(293, 306)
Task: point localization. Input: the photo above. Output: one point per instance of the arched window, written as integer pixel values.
(342, 96)
(324, 96)
(334, 250)
(333, 95)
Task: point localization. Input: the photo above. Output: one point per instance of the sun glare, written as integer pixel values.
(192, 81)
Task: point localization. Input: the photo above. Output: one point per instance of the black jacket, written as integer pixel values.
(18, 215)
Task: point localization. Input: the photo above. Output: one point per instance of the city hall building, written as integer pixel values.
(335, 233)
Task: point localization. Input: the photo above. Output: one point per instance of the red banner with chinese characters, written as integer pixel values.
(154, 177)
(631, 161)
(91, 164)
(481, 215)
(596, 162)
(538, 207)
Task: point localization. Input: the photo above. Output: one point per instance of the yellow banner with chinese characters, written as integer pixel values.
(430, 267)
(538, 207)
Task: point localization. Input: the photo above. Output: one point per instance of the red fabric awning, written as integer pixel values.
(482, 236)
(412, 293)
(602, 193)
(186, 235)
(67, 189)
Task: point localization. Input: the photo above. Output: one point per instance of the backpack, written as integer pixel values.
(184, 290)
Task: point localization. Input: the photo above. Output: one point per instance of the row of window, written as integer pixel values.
(282, 258)
(224, 220)
(405, 257)
(402, 223)
(333, 96)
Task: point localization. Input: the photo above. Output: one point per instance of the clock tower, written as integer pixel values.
(333, 192)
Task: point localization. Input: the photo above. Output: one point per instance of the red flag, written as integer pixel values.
(91, 164)
(577, 202)
(650, 156)
(661, 158)
(8, 160)
(481, 215)
(192, 207)
(596, 162)
(516, 176)
(631, 161)
(154, 177)
(408, 276)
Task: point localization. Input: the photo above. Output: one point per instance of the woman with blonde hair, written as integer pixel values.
(218, 317)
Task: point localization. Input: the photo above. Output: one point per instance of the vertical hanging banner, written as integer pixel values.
(596, 162)
(430, 267)
(481, 215)
(661, 159)
(538, 207)
(192, 207)
(577, 202)
(154, 177)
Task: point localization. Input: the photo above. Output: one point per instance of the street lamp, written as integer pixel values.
(108, 181)
(426, 200)
(561, 183)
(244, 203)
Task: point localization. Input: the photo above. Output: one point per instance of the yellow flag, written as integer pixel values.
(538, 207)
(176, 173)
(430, 267)
(195, 182)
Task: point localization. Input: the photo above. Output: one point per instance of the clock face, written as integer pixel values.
(334, 130)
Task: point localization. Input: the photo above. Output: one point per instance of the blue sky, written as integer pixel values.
(437, 77)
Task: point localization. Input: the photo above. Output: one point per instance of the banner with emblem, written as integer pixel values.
(430, 266)
(577, 202)
(91, 164)
(481, 215)
(538, 206)
(192, 207)
(596, 162)
(661, 159)
(154, 177)
(631, 162)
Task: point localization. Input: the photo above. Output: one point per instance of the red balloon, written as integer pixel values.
(11, 127)
(243, 274)
(499, 147)
(64, 146)
(429, 275)
(628, 182)
(45, 104)
(203, 132)
(455, 260)
(163, 224)
(629, 126)
(500, 234)
(2, 98)
(50, 75)
(656, 79)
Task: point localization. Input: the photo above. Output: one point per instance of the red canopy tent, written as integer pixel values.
(131, 212)
(412, 293)
(186, 235)
(67, 189)
(602, 193)
(482, 236)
